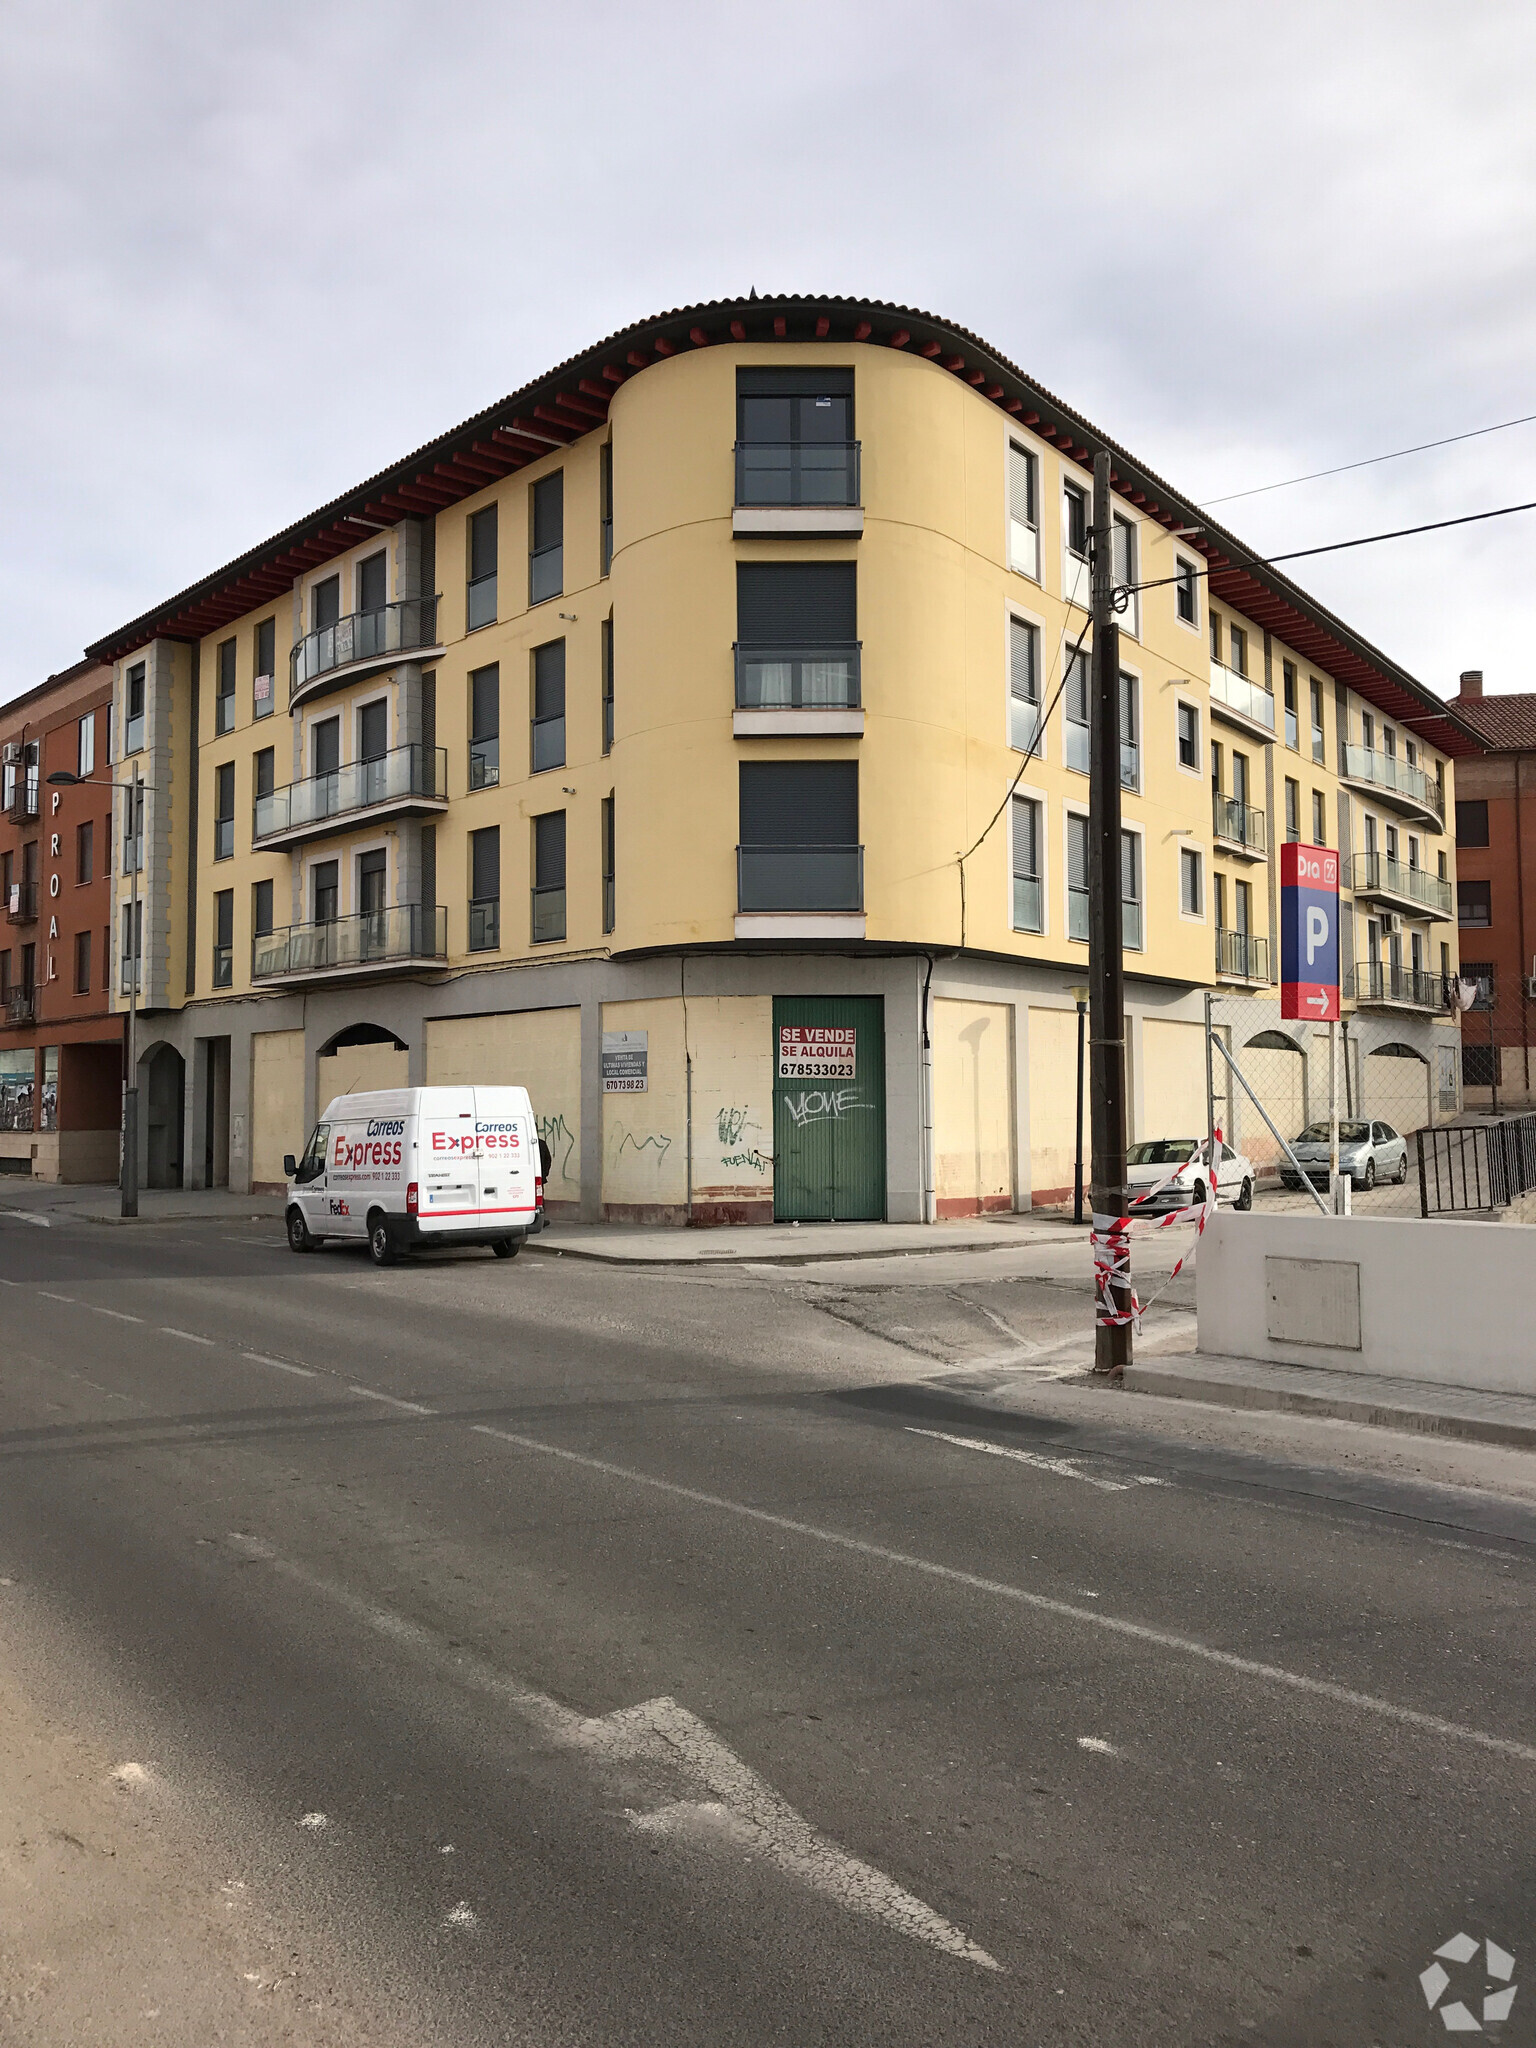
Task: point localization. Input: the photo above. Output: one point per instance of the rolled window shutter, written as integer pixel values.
(805, 604)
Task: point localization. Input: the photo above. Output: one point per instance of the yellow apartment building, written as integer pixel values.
(699, 737)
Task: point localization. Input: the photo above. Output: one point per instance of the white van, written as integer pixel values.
(410, 1167)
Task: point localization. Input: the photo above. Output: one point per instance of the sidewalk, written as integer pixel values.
(799, 1244)
(47, 1201)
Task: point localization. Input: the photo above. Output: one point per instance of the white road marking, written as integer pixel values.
(664, 1734)
(167, 1331)
(394, 1401)
(21, 1216)
(462, 1915)
(282, 1365)
(118, 1315)
(131, 1774)
(1097, 1744)
(314, 1822)
(56, 1297)
(1041, 1603)
(1064, 1468)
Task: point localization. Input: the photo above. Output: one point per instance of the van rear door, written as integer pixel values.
(508, 1157)
(448, 1177)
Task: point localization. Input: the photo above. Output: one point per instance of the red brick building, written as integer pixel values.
(1496, 895)
(61, 1042)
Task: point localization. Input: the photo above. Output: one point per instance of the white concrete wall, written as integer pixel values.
(1451, 1303)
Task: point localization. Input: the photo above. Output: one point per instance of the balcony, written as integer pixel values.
(797, 690)
(1378, 985)
(1242, 957)
(361, 644)
(800, 892)
(18, 1006)
(21, 903)
(23, 805)
(1404, 788)
(402, 939)
(1412, 889)
(794, 487)
(409, 781)
(1239, 829)
(1236, 701)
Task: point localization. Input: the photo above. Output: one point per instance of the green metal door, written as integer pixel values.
(828, 1109)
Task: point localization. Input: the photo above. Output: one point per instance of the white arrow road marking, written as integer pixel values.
(21, 1216)
(1064, 1468)
(739, 1805)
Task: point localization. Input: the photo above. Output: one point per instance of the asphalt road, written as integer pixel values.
(542, 1653)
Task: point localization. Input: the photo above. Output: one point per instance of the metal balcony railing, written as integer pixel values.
(23, 806)
(19, 1006)
(1249, 700)
(342, 792)
(1392, 777)
(1379, 982)
(369, 938)
(1242, 956)
(794, 473)
(798, 678)
(806, 878)
(363, 636)
(1374, 874)
(21, 903)
(1239, 824)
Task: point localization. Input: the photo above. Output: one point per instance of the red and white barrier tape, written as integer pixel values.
(1111, 1244)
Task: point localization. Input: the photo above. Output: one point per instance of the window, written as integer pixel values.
(1389, 742)
(549, 877)
(1472, 822)
(1482, 974)
(224, 690)
(1368, 732)
(264, 688)
(797, 635)
(1191, 882)
(1292, 811)
(133, 709)
(1023, 684)
(1216, 642)
(1440, 867)
(1317, 722)
(485, 727)
(1023, 511)
(261, 909)
(1074, 520)
(1392, 844)
(1130, 890)
(325, 887)
(605, 507)
(1370, 833)
(609, 866)
(1237, 640)
(480, 596)
(265, 770)
(325, 746)
(133, 827)
(1028, 888)
(1130, 733)
(548, 742)
(224, 938)
(131, 925)
(546, 555)
(1413, 852)
(1077, 875)
(1474, 903)
(1076, 714)
(1292, 719)
(1477, 1066)
(224, 811)
(1239, 778)
(85, 851)
(85, 748)
(607, 653)
(1123, 557)
(1410, 754)
(1445, 961)
(373, 583)
(1319, 818)
(5, 975)
(1189, 736)
(1186, 591)
(372, 887)
(794, 438)
(485, 890)
(798, 847)
(324, 603)
(1216, 767)
(106, 959)
(82, 963)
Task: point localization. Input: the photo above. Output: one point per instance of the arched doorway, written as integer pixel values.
(162, 1106)
(1276, 1069)
(1399, 1086)
(359, 1059)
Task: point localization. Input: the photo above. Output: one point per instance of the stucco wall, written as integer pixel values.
(539, 1050)
(973, 1113)
(277, 1103)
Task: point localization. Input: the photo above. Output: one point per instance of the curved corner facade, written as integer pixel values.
(629, 752)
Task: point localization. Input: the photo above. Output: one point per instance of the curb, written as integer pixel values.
(1339, 1407)
(712, 1259)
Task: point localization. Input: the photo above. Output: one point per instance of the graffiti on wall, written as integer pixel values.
(656, 1143)
(561, 1140)
(823, 1105)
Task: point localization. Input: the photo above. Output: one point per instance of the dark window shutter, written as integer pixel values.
(371, 583)
(485, 703)
(549, 512)
(224, 801)
(373, 731)
(549, 850)
(325, 603)
(226, 667)
(224, 918)
(482, 544)
(805, 604)
(549, 680)
(485, 863)
(799, 803)
(266, 771)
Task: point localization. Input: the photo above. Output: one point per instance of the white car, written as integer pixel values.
(1154, 1159)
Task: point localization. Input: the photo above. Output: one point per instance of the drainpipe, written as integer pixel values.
(930, 1192)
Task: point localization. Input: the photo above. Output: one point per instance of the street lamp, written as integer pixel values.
(1080, 997)
(129, 1182)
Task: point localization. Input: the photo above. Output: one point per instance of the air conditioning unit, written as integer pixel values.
(11, 751)
(1394, 921)
(1530, 986)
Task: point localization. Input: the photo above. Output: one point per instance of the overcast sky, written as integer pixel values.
(250, 255)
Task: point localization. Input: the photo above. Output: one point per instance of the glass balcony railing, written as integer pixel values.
(1394, 778)
(404, 772)
(1249, 700)
(1375, 874)
(363, 636)
(484, 924)
(808, 878)
(1028, 904)
(798, 678)
(1242, 956)
(405, 932)
(548, 914)
(1380, 982)
(1239, 824)
(794, 473)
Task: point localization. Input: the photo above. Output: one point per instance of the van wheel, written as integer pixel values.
(299, 1239)
(381, 1246)
(1245, 1197)
(506, 1247)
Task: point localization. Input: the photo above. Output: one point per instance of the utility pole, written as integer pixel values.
(130, 1163)
(1106, 960)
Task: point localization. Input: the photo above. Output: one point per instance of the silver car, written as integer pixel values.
(1368, 1152)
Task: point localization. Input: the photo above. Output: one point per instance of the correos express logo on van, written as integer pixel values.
(353, 1153)
(484, 1139)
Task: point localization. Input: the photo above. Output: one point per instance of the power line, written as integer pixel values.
(1393, 455)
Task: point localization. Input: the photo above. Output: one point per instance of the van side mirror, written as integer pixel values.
(290, 1165)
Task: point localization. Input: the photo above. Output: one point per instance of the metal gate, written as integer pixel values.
(828, 1109)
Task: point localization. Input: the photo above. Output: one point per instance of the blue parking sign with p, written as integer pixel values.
(1309, 932)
